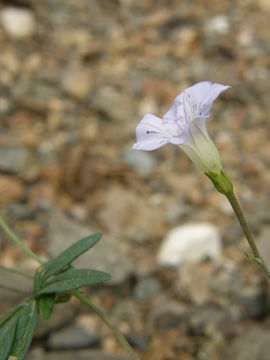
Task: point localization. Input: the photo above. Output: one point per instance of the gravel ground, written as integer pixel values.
(75, 79)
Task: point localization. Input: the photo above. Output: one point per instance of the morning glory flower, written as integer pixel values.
(184, 125)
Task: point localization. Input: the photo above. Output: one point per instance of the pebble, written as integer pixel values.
(142, 162)
(146, 289)
(14, 159)
(38, 354)
(113, 104)
(76, 82)
(10, 189)
(177, 212)
(253, 301)
(218, 25)
(190, 242)
(252, 344)
(62, 315)
(105, 256)
(73, 337)
(18, 22)
(166, 314)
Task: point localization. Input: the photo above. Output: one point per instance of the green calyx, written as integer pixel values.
(221, 182)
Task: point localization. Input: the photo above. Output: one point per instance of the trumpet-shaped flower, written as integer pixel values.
(184, 125)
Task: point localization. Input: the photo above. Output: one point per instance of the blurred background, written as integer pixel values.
(76, 76)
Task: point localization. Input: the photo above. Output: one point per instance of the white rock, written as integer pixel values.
(219, 25)
(190, 242)
(17, 22)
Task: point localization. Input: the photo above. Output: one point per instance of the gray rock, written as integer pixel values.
(73, 337)
(254, 343)
(176, 212)
(35, 96)
(13, 289)
(14, 159)
(136, 341)
(211, 322)
(142, 162)
(115, 105)
(106, 255)
(18, 22)
(146, 289)
(190, 242)
(38, 354)
(166, 314)
(62, 315)
(125, 311)
(6, 106)
(253, 300)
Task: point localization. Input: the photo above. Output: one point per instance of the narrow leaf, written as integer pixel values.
(74, 279)
(37, 279)
(45, 304)
(5, 317)
(7, 332)
(26, 325)
(69, 255)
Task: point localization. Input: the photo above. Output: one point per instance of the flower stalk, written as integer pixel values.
(224, 185)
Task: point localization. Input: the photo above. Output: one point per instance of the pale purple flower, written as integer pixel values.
(184, 125)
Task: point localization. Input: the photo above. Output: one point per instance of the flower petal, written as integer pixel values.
(149, 133)
(149, 145)
(202, 95)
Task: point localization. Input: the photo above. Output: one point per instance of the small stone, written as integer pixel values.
(18, 22)
(192, 283)
(253, 301)
(141, 161)
(14, 159)
(106, 255)
(115, 105)
(146, 289)
(166, 314)
(176, 212)
(137, 341)
(190, 242)
(76, 82)
(62, 315)
(254, 343)
(38, 354)
(218, 25)
(10, 189)
(73, 337)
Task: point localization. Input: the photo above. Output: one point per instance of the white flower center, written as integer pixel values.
(172, 129)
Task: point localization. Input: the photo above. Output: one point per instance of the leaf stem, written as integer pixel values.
(15, 238)
(249, 236)
(113, 328)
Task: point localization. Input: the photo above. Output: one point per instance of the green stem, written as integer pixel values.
(114, 329)
(14, 237)
(241, 218)
(223, 184)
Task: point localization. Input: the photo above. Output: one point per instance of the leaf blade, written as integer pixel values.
(45, 304)
(26, 325)
(69, 255)
(7, 333)
(73, 279)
